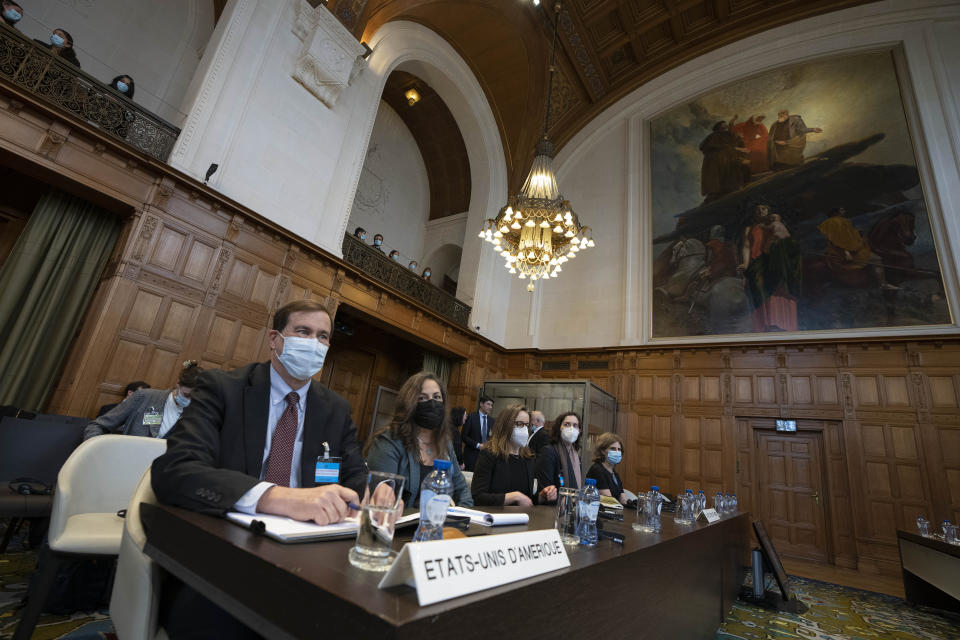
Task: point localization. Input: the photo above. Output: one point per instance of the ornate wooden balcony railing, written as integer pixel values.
(405, 281)
(34, 69)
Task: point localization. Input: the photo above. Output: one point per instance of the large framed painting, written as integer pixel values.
(791, 201)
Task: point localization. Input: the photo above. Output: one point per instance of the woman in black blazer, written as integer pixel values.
(558, 463)
(504, 473)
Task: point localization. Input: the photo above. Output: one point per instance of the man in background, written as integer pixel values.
(540, 436)
(476, 432)
(129, 390)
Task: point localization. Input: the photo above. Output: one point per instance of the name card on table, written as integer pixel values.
(445, 569)
(709, 516)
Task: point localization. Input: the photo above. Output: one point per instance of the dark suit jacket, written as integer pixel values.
(215, 451)
(472, 436)
(539, 440)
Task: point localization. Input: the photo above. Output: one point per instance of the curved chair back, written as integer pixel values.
(99, 477)
(136, 588)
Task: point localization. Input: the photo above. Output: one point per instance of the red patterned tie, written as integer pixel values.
(281, 447)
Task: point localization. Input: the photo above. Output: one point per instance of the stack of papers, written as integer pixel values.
(285, 529)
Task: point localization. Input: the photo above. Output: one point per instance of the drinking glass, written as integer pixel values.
(379, 510)
(567, 515)
(950, 534)
(923, 526)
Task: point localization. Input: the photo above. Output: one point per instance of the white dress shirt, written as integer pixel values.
(171, 413)
(278, 404)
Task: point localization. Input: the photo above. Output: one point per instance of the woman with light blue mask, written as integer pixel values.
(123, 84)
(12, 13)
(60, 44)
(607, 455)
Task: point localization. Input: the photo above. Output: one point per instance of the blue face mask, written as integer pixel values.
(413, 266)
(12, 15)
(181, 401)
(426, 273)
(396, 258)
(302, 357)
(56, 40)
(377, 242)
(614, 457)
(363, 236)
(122, 86)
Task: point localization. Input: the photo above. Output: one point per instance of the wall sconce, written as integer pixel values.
(412, 96)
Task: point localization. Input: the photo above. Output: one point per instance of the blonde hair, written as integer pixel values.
(499, 442)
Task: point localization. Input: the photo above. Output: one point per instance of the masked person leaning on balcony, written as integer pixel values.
(12, 13)
(61, 44)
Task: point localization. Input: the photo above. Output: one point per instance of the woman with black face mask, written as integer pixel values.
(417, 434)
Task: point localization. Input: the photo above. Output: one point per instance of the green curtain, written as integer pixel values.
(45, 287)
(438, 365)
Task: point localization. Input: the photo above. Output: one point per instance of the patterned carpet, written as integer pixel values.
(835, 613)
(16, 567)
(838, 613)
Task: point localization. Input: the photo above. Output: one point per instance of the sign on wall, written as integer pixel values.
(790, 202)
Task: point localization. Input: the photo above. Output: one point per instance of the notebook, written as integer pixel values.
(284, 529)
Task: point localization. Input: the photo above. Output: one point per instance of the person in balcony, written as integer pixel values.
(61, 44)
(378, 243)
(395, 255)
(427, 273)
(360, 233)
(12, 13)
(123, 84)
(413, 265)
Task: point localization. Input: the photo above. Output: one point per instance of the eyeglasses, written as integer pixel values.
(525, 425)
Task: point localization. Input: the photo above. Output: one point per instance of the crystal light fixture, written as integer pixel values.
(538, 231)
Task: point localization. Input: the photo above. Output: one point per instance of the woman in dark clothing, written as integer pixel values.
(608, 454)
(123, 84)
(558, 463)
(504, 471)
(458, 416)
(61, 44)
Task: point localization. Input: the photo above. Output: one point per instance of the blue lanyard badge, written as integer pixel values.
(328, 471)
(328, 468)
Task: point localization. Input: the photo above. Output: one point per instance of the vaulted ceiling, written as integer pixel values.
(608, 48)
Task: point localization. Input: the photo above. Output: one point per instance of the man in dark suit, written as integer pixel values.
(540, 436)
(476, 432)
(249, 441)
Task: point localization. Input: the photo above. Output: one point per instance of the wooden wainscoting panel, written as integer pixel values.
(168, 248)
(943, 391)
(199, 262)
(143, 312)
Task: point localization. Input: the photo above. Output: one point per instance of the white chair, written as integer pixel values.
(95, 483)
(136, 589)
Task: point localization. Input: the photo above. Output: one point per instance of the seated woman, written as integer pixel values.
(504, 472)
(558, 463)
(608, 453)
(417, 433)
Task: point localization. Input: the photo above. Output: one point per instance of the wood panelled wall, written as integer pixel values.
(887, 415)
(196, 275)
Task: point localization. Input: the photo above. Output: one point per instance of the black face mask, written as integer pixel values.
(429, 414)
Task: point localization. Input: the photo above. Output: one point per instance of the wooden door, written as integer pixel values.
(348, 372)
(791, 493)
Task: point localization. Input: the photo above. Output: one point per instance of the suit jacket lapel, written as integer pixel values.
(256, 415)
(314, 430)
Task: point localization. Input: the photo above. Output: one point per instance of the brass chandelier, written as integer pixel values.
(538, 231)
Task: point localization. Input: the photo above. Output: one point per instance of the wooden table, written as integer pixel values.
(931, 571)
(676, 584)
